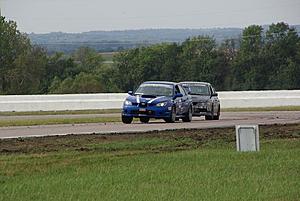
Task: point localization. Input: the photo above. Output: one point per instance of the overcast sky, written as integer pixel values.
(41, 16)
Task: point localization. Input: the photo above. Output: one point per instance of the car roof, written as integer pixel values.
(160, 82)
(194, 82)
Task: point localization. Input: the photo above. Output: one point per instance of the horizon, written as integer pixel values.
(148, 29)
(77, 16)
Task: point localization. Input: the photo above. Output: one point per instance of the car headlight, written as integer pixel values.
(127, 102)
(162, 104)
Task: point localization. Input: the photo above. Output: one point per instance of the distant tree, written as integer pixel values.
(86, 83)
(157, 62)
(227, 53)
(259, 59)
(59, 66)
(64, 87)
(172, 62)
(201, 61)
(107, 75)
(248, 68)
(54, 86)
(13, 44)
(28, 72)
(281, 51)
(80, 73)
(160, 62)
(87, 59)
(229, 48)
(128, 71)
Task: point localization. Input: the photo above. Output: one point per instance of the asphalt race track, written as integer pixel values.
(227, 119)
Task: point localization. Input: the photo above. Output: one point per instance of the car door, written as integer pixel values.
(178, 100)
(215, 100)
(184, 100)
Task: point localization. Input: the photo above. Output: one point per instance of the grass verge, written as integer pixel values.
(104, 111)
(168, 165)
(53, 121)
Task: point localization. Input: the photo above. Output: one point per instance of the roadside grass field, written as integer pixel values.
(63, 112)
(54, 121)
(170, 165)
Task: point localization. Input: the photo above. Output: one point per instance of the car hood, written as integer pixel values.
(150, 100)
(200, 98)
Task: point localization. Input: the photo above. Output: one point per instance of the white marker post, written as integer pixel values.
(247, 137)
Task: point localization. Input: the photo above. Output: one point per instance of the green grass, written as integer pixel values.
(183, 165)
(66, 112)
(52, 121)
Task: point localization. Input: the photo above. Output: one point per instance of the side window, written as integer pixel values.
(182, 91)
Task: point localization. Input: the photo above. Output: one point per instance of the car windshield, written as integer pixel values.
(155, 90)
(196, 89)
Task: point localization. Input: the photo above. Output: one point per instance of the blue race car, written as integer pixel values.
(159, 100)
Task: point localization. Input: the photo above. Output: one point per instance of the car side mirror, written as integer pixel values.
(130, 93)
(215, 94)
(177, 96)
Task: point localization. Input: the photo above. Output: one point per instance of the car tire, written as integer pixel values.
(188, 116)
(211, 115)
(208, 117)
(217, 117)
(127, 120)
(172, 117)
(144, 120)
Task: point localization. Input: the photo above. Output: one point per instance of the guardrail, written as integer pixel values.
(229, 99)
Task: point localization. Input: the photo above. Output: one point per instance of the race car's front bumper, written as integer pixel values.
(200, 109)
(149, 111)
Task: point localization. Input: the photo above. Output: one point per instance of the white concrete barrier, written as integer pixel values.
(242, 99)
(61, 102)
(229, 99)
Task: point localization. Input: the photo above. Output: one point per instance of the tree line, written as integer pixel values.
(27, 69)
(257, 60)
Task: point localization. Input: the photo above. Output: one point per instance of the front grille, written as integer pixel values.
(199, 107)
(147, 112)
(134, 112)
(197, 110)
(199, 104)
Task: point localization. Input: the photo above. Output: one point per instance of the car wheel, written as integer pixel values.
(211, 115)
(217, 117)
(127, 120)
(144, 119)
(188, 116)
(172, 117)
